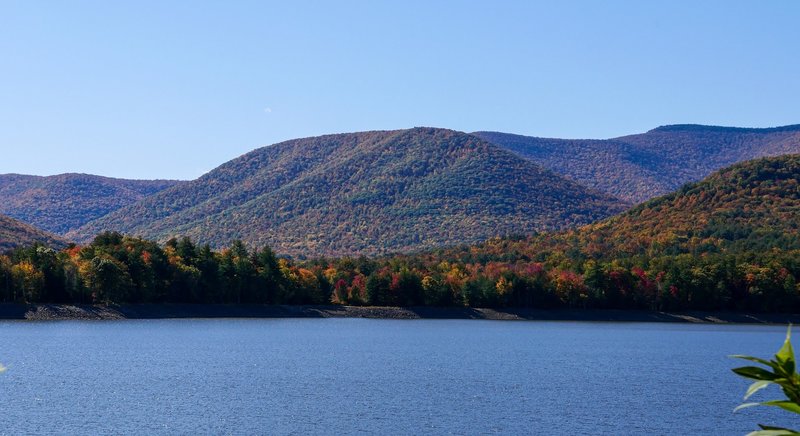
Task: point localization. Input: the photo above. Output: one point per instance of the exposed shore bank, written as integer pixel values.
(42, 312)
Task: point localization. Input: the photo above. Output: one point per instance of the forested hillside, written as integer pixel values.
(639, 167)
(753, 206)
(65, 202)
(14, 233)
(363, 193)
(730, 242)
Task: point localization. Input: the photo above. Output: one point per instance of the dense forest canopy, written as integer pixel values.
(65, 202)
(363, 193)
(636, 168)
(14, 233)
(381, 192)
(729, 242)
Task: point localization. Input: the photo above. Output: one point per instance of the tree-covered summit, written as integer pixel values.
(729, 242)
(65, 202)
(642, 166)
(364, 193)
(750, 206)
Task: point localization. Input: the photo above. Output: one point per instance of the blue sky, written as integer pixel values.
(171, 89)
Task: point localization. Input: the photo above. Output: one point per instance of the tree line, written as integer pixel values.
(117, 269)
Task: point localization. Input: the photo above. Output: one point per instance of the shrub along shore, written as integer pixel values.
(44, 312)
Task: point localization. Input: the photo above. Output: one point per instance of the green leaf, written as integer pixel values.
(771, 427)
(785, 405)
(773, 433)
(755, 373)
(785, 355)
(744, 406)
(754, 359)
(755, 387)
(784, 375)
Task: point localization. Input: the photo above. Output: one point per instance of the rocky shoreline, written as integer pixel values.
(45, 312)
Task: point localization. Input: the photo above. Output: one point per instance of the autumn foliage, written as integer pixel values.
(731, 242)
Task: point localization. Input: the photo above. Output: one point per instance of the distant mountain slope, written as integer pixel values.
(67, 201)
(749, 207)
(638, 167)
(369, 192)
(753, 205)
(14, 233)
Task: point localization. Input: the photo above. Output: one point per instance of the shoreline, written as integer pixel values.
(45, 312)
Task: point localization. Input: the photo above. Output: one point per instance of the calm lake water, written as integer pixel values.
(331, 376)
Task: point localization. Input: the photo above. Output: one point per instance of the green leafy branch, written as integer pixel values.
(781, 371)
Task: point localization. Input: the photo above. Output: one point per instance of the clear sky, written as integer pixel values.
(171, 89)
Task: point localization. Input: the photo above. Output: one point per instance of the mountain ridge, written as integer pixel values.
(364, 193)
(641, 166)
(684, 127)
(749, 206)
(63, 202)
(15, 233)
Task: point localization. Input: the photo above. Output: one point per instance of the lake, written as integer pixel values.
(332, 376)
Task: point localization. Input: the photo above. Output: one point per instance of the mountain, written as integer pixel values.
(729, 242)
(753, 205)
(749, 207)
(65, 202)
(363, 193)
(639, 167)
(14, 233)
